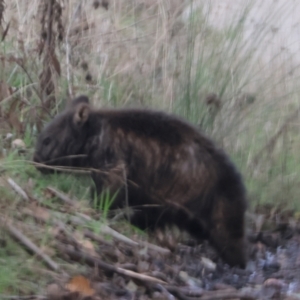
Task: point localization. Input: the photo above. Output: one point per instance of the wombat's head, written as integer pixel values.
(227, 232)
(61, 142)
(231, 249)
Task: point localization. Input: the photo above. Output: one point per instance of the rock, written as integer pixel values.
(208, 264)
(274, 282)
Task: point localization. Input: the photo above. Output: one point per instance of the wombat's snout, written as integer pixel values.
(235, 253)
(40, 165)
(36, 158)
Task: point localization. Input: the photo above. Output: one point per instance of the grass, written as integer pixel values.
(154, 54)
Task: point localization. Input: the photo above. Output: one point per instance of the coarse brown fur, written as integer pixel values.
(159, 164)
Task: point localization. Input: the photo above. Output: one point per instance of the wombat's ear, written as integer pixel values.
(81, 115)
(79, 99)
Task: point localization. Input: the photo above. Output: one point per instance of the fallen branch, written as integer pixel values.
(104, 228)
(65, 198)
(188, 292)
(155, 247)
(91, 235)
(166, 293)
(18, 189)
(29, 244)
(93, 261)
(107, 230)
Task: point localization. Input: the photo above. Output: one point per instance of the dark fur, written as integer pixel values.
(154, 158)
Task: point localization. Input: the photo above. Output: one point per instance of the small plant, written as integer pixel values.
(103, 203)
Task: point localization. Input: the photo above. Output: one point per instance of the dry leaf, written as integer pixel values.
(88, 246)
(80, 284)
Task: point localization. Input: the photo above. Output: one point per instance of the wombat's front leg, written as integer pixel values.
(111, 179)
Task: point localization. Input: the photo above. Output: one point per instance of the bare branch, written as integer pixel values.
(18, 189)
(29, 244)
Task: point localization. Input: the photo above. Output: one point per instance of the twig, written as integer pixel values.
(93, 261)
(18, 189)
(107, 230)
(30, 245)
(165, 292)
(89, 234)
(155, 247)
(62, 196)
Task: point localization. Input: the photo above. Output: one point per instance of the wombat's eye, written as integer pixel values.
(46, 141)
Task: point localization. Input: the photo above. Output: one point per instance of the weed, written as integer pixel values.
(103, 203)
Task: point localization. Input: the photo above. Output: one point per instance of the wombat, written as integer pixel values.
(164, 168)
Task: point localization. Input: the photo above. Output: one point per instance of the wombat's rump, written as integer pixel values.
(161, 165)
